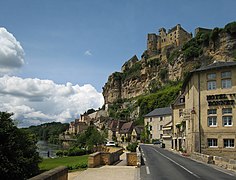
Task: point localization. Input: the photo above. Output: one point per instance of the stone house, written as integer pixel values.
(77, 127)
(136, 134)
(156, 120)
(124, 135)
(209, 110)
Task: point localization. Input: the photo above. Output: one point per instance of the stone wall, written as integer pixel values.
(219, 161)
(225, 163)
(202, 157)
(104, 158)
(59, 173)
(132, 159)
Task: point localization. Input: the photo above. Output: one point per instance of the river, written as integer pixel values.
(45, 149)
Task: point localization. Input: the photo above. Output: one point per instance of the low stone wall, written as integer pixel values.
(202, 157)
(225, 163)
(104, 158)
(94, 160)
(132, 159)
(59, 173)
(219, 161)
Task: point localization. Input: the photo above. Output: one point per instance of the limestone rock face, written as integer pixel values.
(138, 77)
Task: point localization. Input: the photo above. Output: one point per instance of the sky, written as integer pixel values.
(56, 55)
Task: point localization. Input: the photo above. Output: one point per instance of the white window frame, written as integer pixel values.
(226, 83)
(212, 121)
(212, 142)
(227, 111)
(229, 143)
(211, 85)
(227, 119)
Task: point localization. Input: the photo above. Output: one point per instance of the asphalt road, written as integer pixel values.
(161, 164)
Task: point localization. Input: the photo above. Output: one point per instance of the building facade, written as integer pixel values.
(176, 36)
(155, 121)
(209, 112)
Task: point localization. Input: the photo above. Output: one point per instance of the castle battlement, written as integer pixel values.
(175, 37)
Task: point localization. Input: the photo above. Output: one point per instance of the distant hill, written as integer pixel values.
(48, 131)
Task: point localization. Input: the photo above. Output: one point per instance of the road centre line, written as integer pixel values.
(147, 170)
(177, 163)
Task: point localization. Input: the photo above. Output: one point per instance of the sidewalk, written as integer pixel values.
(115, 172)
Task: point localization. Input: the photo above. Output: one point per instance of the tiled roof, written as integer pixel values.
(160, 112)
(139, 129)
(126, 127)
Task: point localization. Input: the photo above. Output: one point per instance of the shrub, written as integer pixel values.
(75, 151)
(132, 147)
(59, 153)
(77, 166)
(231, 27)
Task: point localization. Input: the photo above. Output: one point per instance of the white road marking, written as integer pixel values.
(177, 164)
(144, 159)
(147, 169)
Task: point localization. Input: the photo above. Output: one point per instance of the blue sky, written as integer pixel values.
(55, 34)
(84, 41)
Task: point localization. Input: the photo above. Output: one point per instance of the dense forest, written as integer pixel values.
(49, 131)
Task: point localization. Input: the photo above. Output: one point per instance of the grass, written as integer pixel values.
(72, 162)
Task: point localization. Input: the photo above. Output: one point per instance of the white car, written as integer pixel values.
(110, 143)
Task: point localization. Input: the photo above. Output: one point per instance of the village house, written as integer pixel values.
(206, 111)
(136, 134)
(156, 120)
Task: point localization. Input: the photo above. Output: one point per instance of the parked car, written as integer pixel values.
(156, 142)
(110, 143)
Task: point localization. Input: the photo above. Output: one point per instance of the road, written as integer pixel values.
(161, 164)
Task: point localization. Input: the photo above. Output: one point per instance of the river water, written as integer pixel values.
(45, 149)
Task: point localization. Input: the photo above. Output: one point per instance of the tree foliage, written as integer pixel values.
(90, 138)
(162, 98)
(18, 156)
(49, 131)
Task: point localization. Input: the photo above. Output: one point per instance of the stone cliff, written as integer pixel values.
(170, 63)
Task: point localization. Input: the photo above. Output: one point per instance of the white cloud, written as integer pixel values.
(88, 53)
(11, 52)
(35, 101)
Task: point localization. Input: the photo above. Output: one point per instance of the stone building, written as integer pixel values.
(156, 120)
(209, 111)
(175, 37)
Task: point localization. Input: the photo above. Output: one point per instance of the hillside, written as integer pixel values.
(165, 64)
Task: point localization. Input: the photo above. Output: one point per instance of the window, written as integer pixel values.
(226, 83)
(227, 111)
(211, 76)
(161, 118)
(212, 121)
(211, 85)
(228, 143)
(150, 128)
(227, 120)
(226, 74)
(212, 142)
(211, 111)
(150, 120)
(180, 112)
(226, 80)
(160, 127)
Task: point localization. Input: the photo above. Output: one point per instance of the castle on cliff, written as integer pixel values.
(159, 43)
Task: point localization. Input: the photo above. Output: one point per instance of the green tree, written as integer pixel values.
(90, 138)
(18, 156)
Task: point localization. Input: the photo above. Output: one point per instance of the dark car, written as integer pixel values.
(156, 142)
